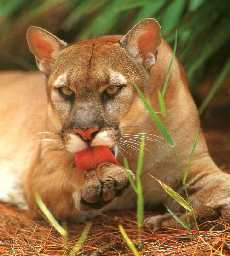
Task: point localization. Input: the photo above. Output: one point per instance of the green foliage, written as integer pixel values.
(157, 121)
(188, 165)
(140, 196)
(61, 230)
(216, 86)
(135, 181)
(155, 118)
(173, 194)
(172, 15)
(81, 240)
(169, 69)
(128, 241)
(179, 220)
(162, 92)
(130, 174)
(161, 102)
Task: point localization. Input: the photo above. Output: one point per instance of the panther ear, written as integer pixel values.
(142, 41)
(44, 46)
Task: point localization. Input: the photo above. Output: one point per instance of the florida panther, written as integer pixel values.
(89, 86)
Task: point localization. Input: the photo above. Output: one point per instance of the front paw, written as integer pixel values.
(103, 185)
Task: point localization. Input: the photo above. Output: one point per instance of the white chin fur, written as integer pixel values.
(74, 143)
(104, 138)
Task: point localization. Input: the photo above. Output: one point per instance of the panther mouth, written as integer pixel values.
(91, 157)
(91, 151)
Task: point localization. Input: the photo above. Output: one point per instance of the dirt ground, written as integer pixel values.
(19, 235)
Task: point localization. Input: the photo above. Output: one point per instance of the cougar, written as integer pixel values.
(91, 86)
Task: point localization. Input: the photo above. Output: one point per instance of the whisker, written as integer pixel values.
(129, 146)
(53, 148)
(121, 150)
(52, 145)
(48, 135)
(45, 132)
(135, 144)
(146, 138)
(137, 140)
(131, 127)
(49, 140)
(149, 135)
(138, 148)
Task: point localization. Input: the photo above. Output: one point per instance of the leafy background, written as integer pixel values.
(203, 29)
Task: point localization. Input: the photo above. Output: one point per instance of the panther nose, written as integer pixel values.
(86, 134)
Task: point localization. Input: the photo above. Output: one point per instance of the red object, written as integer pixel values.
(91, 157)
(86, 134)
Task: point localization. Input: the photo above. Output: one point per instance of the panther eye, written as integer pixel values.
(112, 90)
(66, 92)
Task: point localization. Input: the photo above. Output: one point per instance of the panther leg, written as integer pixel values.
(209, 196)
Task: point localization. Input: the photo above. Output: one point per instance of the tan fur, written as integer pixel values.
(48, 169)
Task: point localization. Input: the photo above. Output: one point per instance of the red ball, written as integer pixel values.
(91, 157)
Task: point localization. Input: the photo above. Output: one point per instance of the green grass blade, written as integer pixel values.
(128, 241)
(172, 15)
(169, 69)
(159, 124)
(140, 206)
(140, 197)
(195, 143)
(215, 41)
(109, 17)
(149, 10)
(161, 103)
(216, 86)
(140, 159)
(130, 175)
(49, 216)
(194, 146)
(37, 9)
(161, 94)
(82, 9)
(195, 4)
(8, 7)
(178, 220)
(173, 194)
(83, 237)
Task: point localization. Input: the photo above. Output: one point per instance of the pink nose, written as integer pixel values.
(86, 134)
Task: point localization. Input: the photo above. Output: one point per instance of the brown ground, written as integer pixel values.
(19, 235)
